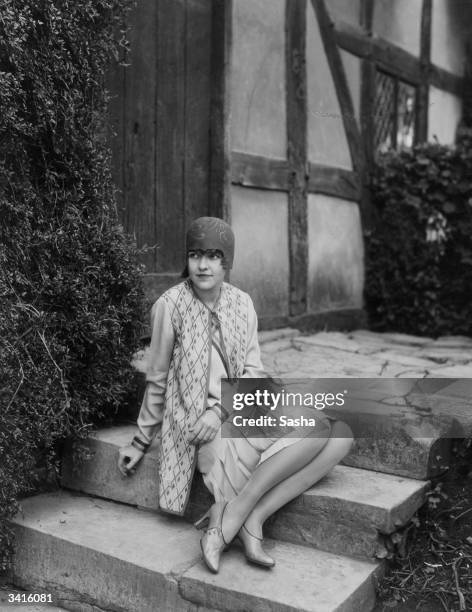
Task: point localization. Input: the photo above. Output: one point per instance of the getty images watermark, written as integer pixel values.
(278, 401)
(373, 407)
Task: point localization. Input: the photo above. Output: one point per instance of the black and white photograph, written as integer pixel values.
(236, 305)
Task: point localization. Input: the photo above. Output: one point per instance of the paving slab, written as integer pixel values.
(277, 334)
(452, 371)
(320, 362)
(275, 346)
(404, 339)
(344, 512)
(366, 354)
(336, 340)
(445, 354)
(411, 360)
(453, 341)
(120, 558)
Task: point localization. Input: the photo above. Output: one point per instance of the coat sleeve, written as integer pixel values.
(160, 353)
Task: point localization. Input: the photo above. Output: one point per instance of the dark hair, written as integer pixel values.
(224, 265)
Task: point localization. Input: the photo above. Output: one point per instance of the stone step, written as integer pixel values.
(116, 557)
(348, 512)
(412, 445)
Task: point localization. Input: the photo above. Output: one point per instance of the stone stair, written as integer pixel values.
(101, 545)
(101, 554)
(349, 512)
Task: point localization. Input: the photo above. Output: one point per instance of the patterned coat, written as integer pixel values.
(188, 379)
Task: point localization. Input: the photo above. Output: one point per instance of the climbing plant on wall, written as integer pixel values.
(418, 252)
(70, 295)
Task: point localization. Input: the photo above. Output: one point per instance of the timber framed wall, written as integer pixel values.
(261, 112)
(297, 163)
(303, 87)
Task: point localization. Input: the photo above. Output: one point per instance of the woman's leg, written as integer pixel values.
(336, 448)
(285, 467)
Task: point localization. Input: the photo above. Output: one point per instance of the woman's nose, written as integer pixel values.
(203, 262)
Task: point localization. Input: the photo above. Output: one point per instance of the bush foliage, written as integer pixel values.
(419, 249)
(70, 296)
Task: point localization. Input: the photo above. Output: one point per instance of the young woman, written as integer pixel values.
(205, 329)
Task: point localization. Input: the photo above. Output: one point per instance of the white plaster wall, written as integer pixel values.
(327, 143)
(451, 26)
(345, 10)
(336, 254)
(399, 21)
(445, 112)
(261, 267)
(258, 107)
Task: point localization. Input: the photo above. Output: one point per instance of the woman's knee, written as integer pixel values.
(342, 436)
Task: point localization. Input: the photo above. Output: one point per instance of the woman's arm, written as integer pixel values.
(152, 407)
(160, 353)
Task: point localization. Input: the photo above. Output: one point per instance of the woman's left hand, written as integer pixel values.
(205, 428)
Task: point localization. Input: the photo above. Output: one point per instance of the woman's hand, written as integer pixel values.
(205, 428)
(128, 459)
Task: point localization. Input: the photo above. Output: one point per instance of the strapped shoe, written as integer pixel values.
(253, 548)
(212, 542)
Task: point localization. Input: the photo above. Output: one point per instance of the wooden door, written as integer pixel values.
(160, 113)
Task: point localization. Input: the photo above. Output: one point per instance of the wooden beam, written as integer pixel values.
(274, 174)
(394, 59)
(296, 97)
(198, 90)
(340, 84)
(220, 169)
(367, 105)
(367, 16)
(352, 39)
(467, 92)
(447, 81)
(367, 125)
(422, 104)
(335, 182)
(258, 171)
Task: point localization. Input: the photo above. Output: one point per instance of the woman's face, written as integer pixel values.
(205, 269)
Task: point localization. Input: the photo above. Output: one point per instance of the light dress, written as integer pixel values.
(226, 463)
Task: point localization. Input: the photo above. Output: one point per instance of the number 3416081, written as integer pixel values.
(29, 598)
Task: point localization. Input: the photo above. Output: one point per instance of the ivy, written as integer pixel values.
(70, 296)
(419, 248)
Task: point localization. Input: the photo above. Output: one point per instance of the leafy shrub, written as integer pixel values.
(419, 249)
(70, 295)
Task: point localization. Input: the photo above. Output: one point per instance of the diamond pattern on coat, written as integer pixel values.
(187, 381)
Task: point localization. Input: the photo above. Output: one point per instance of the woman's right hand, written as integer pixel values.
(129, 457)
